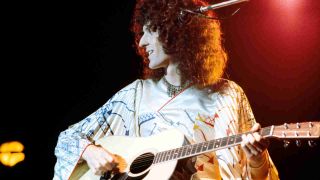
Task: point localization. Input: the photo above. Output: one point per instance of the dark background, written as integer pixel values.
(60, 63)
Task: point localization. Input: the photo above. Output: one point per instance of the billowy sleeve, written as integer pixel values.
(115, 117)
(246, 121)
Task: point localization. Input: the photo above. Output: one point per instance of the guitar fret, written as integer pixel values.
(164, 156)
(160, 157)
(171, 154)
(167, 155)
(180, 151)
(205, 146)
(156, 158)
(217, 144)
(184, 151)
(199, 147)
(211, 144)
(238, 138)
(231, 140)
(194, 148)
(223, 141)
(176, 153)
(189, 149)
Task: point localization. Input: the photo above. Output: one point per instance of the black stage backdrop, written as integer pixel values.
(60, 63)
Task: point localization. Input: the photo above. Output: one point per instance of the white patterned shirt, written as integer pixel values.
(143, 108)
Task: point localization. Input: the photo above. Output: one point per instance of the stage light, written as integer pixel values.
(11, 153)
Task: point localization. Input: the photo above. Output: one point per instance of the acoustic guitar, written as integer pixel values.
(156, 157)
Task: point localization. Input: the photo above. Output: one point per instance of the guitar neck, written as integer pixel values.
(204, 147)
(304, 130)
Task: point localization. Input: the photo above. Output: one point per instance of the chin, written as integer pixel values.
(158, 65)
(154, 66)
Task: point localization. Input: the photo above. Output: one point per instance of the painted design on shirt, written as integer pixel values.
(209, 120)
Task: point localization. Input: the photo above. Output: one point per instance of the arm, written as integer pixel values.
(116, 117)
(77, 138)
(255, 149)
(254, 146)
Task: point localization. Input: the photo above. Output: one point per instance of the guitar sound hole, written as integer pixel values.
(141, 163)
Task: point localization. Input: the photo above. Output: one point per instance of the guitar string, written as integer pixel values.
(180, 150)
(146, 161)
(170, 155)
(146, 158)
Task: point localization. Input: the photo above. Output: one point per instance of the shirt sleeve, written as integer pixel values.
(246, 121)
(115, 117)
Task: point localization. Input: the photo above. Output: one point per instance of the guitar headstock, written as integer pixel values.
(302, 130)
(296, 131)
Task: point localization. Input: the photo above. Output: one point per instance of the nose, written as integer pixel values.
(143, 41)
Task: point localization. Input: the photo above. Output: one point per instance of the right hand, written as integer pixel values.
(98, 159)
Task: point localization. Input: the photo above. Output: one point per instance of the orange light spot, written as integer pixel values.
(11, 153)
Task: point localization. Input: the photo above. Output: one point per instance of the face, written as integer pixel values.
(156, 55)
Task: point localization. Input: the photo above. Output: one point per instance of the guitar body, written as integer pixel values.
(131, 149)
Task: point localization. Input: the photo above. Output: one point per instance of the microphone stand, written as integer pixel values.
(220, 5)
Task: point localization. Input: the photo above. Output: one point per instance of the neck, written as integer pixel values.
(172, 75)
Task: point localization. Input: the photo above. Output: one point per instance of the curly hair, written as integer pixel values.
(194, 42)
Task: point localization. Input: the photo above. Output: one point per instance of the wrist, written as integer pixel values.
(259, 166)
(258, 161)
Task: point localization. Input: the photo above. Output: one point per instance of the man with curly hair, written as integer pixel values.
(181, 88)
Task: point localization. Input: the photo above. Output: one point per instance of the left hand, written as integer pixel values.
(254, 145)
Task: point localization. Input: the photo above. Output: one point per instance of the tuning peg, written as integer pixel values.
(311, 143)
(286, 143)
(298, 143)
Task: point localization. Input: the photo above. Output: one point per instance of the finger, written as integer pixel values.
(105, 168)
(260, 139)
(258, 142)
(256, 127)
(251, 144)
(108, 156)
(97, 169)
(98, 172)
(91, 166)
(105, 165)
(244, 146)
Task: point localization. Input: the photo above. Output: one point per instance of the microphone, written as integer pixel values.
(184, 18)
(220, 5)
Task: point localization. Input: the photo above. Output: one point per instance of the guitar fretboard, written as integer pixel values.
(203, 147)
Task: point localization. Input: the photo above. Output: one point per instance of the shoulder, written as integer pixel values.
(134, 87)
(138, 83)
(228, 90)
(226, 86)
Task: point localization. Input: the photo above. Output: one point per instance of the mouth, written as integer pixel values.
(150, 52)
